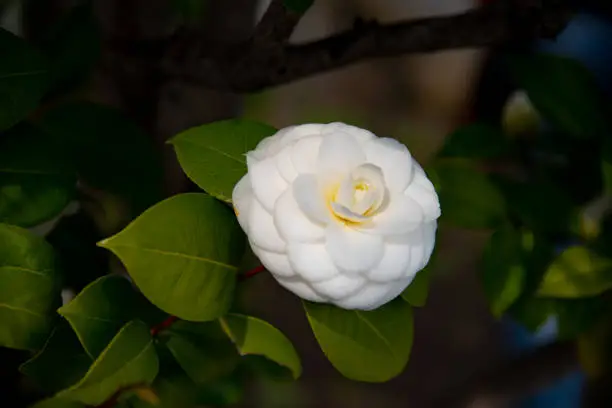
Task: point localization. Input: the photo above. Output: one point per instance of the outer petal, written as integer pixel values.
(304, 154)
(429, 237)
(295, 133)
(420, 177)
(338, 155)
(401, 215)
(397, 287)
(427, 200)
(394, 263)
(361, 135)
(351, 250)
(370, 297)
(241, 198)
(312, 262)
(284, 164)
(266, 181)
(339, 287)
(291, 222)
(417, 251)
(301, 288)
(310, 199)
(394, 159)
(277, 264)
(262, 230)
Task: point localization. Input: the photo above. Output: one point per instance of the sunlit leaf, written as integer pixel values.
(213, 155)
(369, 346)
(30, 286)
(183, 254)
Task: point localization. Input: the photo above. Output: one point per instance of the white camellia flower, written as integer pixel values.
(337, 214)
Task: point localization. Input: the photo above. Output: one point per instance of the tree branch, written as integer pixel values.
(255, 65)
(276, 25)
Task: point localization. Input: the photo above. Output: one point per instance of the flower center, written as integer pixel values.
(359, 195)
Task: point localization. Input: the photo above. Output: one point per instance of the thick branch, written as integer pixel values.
(253, 66)
(276, 25)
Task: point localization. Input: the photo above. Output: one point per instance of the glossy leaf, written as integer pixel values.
(36, 184)
(213, 155)
(111, 152)
(577, 272)
(128, 360)
(61, 363)
(468, 198)
(477, 140)
(23, 79)
(58, 403)
(369, 346)
(253, 336)
(563, 91)
(30, 288)
(183, 254)
(201, 349)
(416, 293)
(503, 271)
(102, 308)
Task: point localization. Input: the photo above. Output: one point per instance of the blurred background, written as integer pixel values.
(417, 99)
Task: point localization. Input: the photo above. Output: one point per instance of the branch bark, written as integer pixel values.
(267, 60)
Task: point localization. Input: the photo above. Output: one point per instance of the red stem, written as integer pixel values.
(170, 320)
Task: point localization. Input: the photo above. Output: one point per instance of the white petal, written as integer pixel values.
(241, 199)
(339, 287)
(346, 214)
(310, 198)
(362, 135)
(417, 244)
(304, 154)
(312, 262)
(338, 155)
(292, 223)
(401, 215)
(429, 237)
(395, 261)
(370, 297)
(277, 264)
(266, 182)
(285, 166)
(262, 230)
(351, 250)
(397, 287)
(427, 199)
(301, 288)
(295, 133)
(261, 150)
(420, 177)
(394, 159)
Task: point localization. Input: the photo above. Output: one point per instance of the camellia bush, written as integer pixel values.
(342, 218)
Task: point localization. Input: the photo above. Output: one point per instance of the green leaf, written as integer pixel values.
(503, 272)
(253, 336)
(298, 6)
(102, 308)
(201, 349)
(416, 293)
(23, 79)
(477, 140)
(213, 155)
(61, 363)
(110, 151)
(563, 91)
(369, 346)
(30, 286)
(58, 403)
(130, 359)
(468, 198)
(183, 254)
(577, 272)
(36, 184)
(73, 47)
